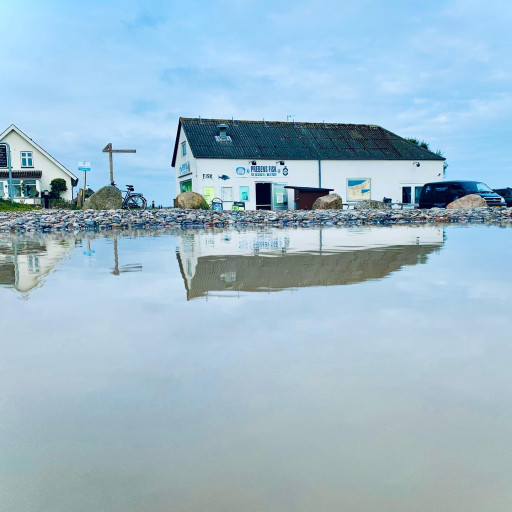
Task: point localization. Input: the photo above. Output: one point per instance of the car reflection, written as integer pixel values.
(277, 259)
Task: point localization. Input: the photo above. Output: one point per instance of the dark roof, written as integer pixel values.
(265, 274)
(296, 141)
(21, 174)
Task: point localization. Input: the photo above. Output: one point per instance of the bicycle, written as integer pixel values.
(133, 200)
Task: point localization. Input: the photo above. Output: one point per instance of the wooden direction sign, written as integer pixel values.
(108, 149)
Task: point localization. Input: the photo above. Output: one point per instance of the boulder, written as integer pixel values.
(107, 198)
(191, 201)
(329, 202)
(372, 205)
(467, 202)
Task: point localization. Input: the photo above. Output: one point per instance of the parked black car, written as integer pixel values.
(441, 193)
(506, 193)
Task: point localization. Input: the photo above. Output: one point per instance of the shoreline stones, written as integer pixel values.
(106, 198)
(99, 220)
(328, 202)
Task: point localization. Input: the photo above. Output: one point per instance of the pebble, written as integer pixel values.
(92, 220)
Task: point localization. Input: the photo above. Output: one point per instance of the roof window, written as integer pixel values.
(223, 133)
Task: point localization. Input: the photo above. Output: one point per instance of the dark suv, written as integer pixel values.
(506, 193)
(441, 193)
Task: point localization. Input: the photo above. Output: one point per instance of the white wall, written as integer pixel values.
(41, 162)
(387, 176)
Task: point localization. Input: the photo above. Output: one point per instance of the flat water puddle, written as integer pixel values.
(361, 369)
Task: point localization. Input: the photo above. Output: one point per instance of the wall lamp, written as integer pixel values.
(280, 162)
(417, 164)
(253, 162)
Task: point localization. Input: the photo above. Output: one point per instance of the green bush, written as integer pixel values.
(57, 185)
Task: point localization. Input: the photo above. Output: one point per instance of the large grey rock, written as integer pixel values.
(467, 202)
(191, 201)
(329, 202)
(372, 205)
(107, 198)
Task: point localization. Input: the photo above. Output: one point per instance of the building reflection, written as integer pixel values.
(26, 261)
(277, 259)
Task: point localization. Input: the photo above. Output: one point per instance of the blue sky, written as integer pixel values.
(76, 76)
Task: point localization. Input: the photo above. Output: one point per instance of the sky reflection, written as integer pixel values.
(389, 393)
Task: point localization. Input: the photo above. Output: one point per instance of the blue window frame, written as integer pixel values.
(26, 159)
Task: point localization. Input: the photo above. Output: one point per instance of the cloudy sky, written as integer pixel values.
(79, 75)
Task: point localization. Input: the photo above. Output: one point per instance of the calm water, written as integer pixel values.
(364, 369)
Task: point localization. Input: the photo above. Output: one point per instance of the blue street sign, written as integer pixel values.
(84, 166)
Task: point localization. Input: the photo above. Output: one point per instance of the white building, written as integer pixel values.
(253, 161)
(33, 169)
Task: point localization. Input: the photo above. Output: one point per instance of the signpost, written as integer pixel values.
(85, 167)
(108, 149)
(5, 161)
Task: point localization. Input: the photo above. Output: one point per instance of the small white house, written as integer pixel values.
(254, 162)
(33, 169)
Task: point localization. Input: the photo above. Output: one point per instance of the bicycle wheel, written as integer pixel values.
(136, 203)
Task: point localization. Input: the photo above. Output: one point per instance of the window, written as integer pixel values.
(29, 188)
(358, 189)
(417, 193)
(227, 193)
(183, 148)
(26, 159)
(16, 188)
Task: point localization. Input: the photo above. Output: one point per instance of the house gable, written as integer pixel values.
(24, 142)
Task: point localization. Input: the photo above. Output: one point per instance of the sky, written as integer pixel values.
(77, 75)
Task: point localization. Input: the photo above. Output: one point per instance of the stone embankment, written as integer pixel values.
(90, 220)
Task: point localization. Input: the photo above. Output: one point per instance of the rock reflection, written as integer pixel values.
(277, 259)
(26, 261)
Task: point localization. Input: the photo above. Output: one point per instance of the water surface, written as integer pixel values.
(267, 370)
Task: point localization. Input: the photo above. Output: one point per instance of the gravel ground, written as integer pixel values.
(92, 220)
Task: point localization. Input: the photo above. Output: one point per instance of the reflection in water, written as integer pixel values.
(133, 267)
(393, 394)
(25, 262)
(276, 259)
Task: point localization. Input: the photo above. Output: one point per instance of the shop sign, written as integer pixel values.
(3, 155)
(207, 176)
(184, 169)
(258, 171)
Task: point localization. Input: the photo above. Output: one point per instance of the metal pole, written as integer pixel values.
(9, 186)
(319, 174)
(85, 186)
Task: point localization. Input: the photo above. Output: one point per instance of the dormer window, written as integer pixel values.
(183, 148)
(223, 133)
(26, 159)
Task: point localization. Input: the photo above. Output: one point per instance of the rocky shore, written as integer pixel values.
(91, 220)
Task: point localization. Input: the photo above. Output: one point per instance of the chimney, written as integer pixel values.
(223, 131)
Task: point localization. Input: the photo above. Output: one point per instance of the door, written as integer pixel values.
(406, 195)
(263, 196)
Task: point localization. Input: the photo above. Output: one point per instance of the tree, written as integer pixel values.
(423, 144)
(57, 185)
